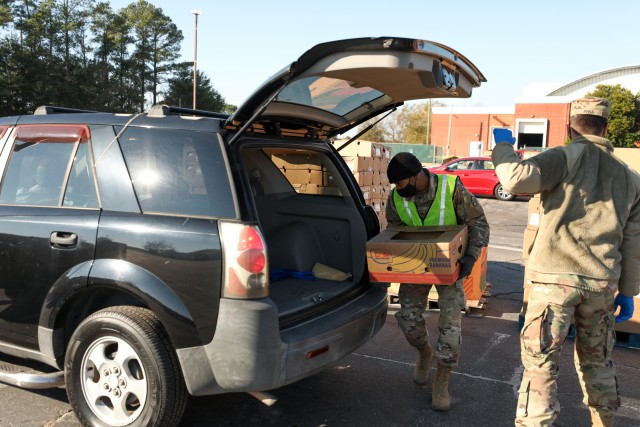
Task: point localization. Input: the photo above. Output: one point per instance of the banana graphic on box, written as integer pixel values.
(416, 254)
(414, 260)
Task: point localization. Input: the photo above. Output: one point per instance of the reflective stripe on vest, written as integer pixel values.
(441, 211)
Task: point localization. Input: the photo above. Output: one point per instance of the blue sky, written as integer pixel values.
(243, 42)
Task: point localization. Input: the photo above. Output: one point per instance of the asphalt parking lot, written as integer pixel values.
(373, 386)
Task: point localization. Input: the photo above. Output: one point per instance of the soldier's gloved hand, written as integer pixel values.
(467, 263)
(626, 307)
(503, 135)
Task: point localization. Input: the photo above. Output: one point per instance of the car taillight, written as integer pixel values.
(252, 257)
(245, 261)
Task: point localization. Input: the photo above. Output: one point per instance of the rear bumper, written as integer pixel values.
(250, 353)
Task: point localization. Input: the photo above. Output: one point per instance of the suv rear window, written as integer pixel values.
(333, 95)
(178, 172)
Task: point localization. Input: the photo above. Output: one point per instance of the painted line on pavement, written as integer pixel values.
(477, 377)
(506, 248)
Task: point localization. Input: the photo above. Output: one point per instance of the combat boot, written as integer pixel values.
(599, 420)
(440, 399)
(423, 365)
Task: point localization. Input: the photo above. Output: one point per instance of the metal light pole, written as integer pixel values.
(427, 141)
(195, 12)
(449, 131)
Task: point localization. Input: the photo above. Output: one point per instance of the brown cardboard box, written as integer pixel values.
(363, 148)
(376, 204)
(376, 178)
(316, 189)
(378, 192)
(632, 325)
(377, 164)
(526, 291)
(366, 192)
(417, 254)
(298, 176)
(317, 177)
(529, 237)
(534, 210)
(475, 283)
(384, 164)
(359, 163)
(364, 179)
(533, 222)
(291, 161)
(377, 150)
(384, 192)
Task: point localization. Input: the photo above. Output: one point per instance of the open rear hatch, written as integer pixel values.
(329, 90)
(337, 85)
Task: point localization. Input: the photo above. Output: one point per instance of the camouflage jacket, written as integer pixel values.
(589, 233)
(468, 211)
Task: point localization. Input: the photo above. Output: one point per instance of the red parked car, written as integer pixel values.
(477, 174)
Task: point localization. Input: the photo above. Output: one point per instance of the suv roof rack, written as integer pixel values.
(50, 109)
(161, 110)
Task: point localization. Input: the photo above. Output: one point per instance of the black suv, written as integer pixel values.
(136, 250)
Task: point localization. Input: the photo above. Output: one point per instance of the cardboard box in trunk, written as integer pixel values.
(427, 255)
(292, 161)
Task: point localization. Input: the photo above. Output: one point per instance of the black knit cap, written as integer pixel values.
(403, 166)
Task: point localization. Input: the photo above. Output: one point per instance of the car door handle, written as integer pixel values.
(61, 238)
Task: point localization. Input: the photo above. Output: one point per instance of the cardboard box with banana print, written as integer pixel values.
(427, 255)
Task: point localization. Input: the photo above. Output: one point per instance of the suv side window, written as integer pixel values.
(178, 172)
(81, 189)
(38, 166)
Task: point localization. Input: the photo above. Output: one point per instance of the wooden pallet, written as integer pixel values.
(472, 308)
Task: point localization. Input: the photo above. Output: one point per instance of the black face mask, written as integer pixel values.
(408, 190)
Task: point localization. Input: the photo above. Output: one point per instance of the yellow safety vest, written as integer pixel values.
(441, 211)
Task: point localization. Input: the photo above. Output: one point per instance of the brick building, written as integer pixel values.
(538, 118)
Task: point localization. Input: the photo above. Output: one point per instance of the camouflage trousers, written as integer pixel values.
(451, 301)
(551, 310)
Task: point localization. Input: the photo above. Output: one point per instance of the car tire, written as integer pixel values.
(502, 194)
(121, 370)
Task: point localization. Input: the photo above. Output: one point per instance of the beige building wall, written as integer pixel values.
(630, 156)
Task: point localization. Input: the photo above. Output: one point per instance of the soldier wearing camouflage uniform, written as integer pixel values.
(587, 247)
(417, 188)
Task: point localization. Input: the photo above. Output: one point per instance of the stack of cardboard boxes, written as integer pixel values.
(530, 232)
(306, 173)
(369, 161)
